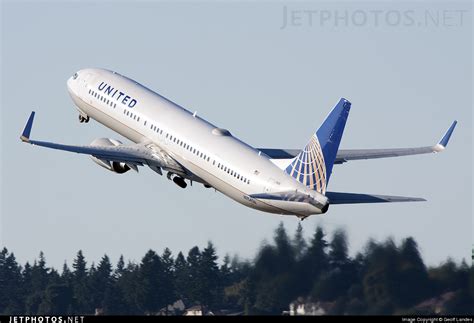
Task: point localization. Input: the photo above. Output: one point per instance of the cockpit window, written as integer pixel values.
(75, 76)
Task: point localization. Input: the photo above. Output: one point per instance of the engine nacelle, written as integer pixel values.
(115, 167)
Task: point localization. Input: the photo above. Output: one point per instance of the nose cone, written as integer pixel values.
(69, 84)
(72, 83)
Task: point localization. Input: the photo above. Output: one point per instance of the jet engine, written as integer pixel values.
(113, 166)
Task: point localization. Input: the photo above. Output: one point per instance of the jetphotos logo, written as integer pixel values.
(300, 17)
(46, 319)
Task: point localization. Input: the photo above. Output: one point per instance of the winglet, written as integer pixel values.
(25, 136)
(444, 141)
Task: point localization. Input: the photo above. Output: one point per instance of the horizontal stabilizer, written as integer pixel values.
(290, 196)
(355, 198)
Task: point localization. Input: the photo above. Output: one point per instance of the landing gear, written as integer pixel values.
(83, 119)
(179, 181)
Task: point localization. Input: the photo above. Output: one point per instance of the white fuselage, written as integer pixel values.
(215, 157)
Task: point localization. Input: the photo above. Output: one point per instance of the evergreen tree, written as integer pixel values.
(26, 289)
(149, 288)
(39, 274)
(225, 271)
(10, 284)
(284, 249)
(66, 274)
(193, 261)
(412, 276)
(57, 299)
(80, 286)
(299, 243)
(37, 281)
(335, 283)
(167, 283)
(128, 291)
(314, 262)
(100, 281)
(338, 251)
(181, 280)
(208, 278)
(120, 268)
(379, 276)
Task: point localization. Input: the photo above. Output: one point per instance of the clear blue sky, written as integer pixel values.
(406, 68)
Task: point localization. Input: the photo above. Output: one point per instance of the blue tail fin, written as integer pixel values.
(313, 165)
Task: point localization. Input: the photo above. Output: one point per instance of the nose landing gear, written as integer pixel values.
(83, 119)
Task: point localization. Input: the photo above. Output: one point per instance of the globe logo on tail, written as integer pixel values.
(309, 168)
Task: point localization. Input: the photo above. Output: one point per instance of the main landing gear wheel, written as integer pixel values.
(179, 181)
(83, 119)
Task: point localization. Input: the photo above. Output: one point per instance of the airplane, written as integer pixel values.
(168, 138)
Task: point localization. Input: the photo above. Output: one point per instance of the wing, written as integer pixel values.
(135, 154)
(344, 155)
(356, 198)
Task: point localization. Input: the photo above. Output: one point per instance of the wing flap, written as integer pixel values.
(357, 198)
(117, 154)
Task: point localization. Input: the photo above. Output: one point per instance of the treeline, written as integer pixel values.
(384, 278)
